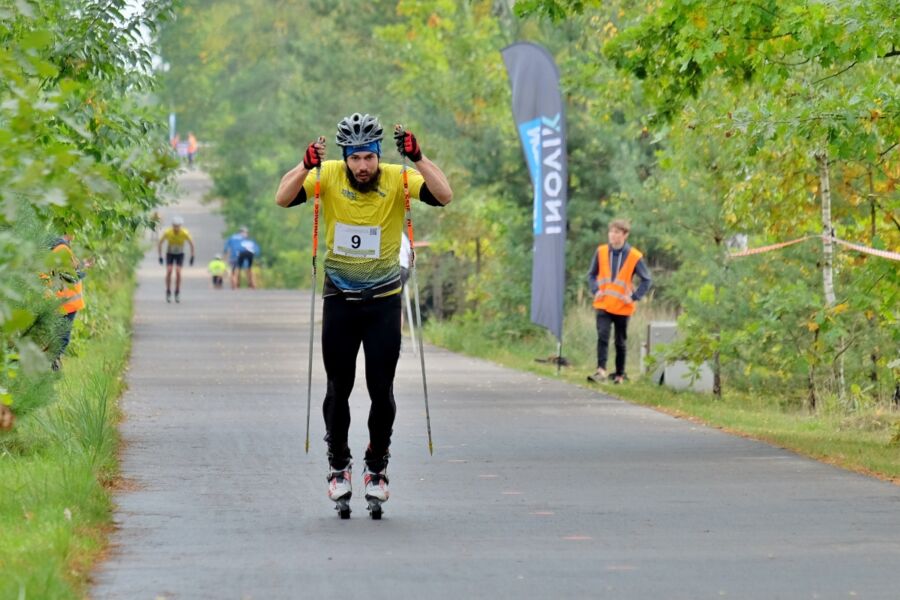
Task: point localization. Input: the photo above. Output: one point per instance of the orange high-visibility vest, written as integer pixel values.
(614, 295)
(72, 295)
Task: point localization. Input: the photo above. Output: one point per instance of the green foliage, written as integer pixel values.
(438, 69)
(57, 464)
(699, 123)
(80, 152)
(741, 98)
(260, 81)
(555, 10)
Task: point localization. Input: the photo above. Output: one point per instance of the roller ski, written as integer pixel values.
(340, 490)
(376, 492)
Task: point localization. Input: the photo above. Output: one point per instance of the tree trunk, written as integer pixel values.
(874, 355)
(717, 375)
(811, 375)
(828, 251)
(478, 256)
(827, 229)
(872, 219)
(717, 333)
(811, 387)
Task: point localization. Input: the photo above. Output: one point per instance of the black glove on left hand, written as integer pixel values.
(191, 263)
(408, 145)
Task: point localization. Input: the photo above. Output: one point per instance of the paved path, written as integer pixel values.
(536, 490)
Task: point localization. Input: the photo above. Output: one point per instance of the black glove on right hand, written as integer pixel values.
(311, 159)
(160, 260)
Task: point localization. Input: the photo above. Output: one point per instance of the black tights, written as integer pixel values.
(345, 325)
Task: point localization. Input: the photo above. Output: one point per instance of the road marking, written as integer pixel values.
(621, 568)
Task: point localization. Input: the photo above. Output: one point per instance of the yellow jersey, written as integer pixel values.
(362, 230)
(217, 267)
(175, 240)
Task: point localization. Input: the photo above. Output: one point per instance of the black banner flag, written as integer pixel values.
(538, 112)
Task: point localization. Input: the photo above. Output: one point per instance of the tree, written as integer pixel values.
(79, 152)
(814, 101)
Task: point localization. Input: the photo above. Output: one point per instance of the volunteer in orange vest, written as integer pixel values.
(67, 279)
(192, 147)
(610, 279)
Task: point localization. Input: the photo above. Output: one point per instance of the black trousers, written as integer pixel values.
(605, 321)
(345, 325)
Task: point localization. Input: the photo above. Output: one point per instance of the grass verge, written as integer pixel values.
(58, 463)
(866, 440)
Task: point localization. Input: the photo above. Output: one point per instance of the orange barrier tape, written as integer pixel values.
(866, 250)
(763, 249)
(888, 254)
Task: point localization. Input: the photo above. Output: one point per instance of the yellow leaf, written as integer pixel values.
(812, 326)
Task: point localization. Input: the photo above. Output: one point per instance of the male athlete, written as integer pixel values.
(362, 202)
(175, 237)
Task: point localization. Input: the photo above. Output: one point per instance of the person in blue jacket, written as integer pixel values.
(232, 251)
(247, 252)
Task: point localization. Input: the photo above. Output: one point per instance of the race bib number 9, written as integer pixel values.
(362, 241)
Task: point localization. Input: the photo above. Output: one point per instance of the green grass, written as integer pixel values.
(866, 440)
(57, 465)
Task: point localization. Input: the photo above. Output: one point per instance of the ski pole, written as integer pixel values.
(409, 317)
(312, 300)
(415, 286)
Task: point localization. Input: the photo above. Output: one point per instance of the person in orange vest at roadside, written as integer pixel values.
(191, 147)
(610, 279)
(67, 279)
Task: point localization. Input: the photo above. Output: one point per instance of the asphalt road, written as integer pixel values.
(536, 489)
